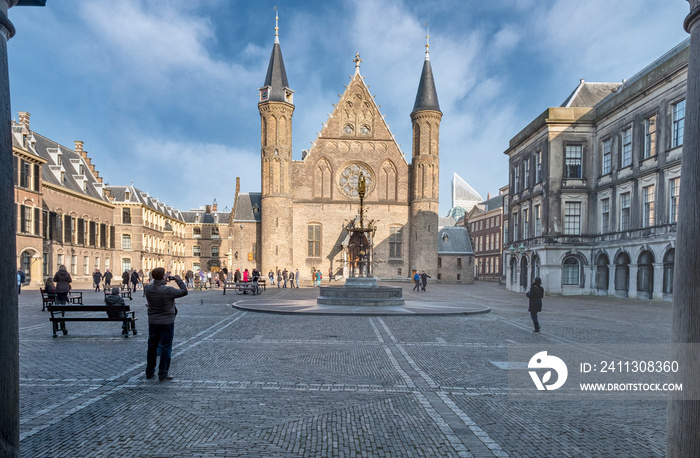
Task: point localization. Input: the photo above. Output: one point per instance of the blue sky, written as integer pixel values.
(164, 93)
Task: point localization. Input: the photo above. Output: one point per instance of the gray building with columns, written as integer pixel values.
(594, 187)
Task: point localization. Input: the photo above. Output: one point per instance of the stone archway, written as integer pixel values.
(30, 261)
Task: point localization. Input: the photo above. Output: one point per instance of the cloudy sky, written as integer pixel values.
(164, 92)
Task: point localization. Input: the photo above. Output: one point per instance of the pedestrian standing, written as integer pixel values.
(222, 278)
(535, 295)
(20, 279)
(271, 276)
(125, 279)
(97, 279)
(319, 277)
(108, 278)
(161, 322)
(291, 279)
(279, 278)
(285, 277)
(134, 278)
(237, 276)
(416, 281)
(313, 276)
(296, 277)
(62, 280)
(424, 280)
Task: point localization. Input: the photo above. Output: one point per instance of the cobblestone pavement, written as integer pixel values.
(264, 385)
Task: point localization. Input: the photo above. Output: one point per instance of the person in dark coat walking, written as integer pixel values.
(125, 279)
(108, 278)
(97, 279)
(134, 279)
(535, 295)
(62, 280)
(416, 281)
(424, 280)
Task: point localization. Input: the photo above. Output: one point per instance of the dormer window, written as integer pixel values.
(127, 195)
(256, 209)
(445, 238)
(58, 159)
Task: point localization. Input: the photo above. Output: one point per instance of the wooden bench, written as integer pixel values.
(124, 292)
(58, 317)
(46, 299)
(243, 287)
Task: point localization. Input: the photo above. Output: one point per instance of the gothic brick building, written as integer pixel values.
(298, 218)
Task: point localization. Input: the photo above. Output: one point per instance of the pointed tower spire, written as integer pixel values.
(276, 88)
(426, 98)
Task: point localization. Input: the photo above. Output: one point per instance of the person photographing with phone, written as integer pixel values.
(161, 321)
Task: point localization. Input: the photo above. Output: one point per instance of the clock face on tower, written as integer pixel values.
(349, 176)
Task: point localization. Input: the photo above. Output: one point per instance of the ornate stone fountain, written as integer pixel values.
(361, 286)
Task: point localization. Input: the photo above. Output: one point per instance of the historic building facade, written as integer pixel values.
(298, 219)
(484, 225)
(594, 187)
(64, 215)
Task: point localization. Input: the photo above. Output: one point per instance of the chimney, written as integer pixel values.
(207, 209)
(24, 119)
(79, 147)
(488, 195)
(238, 185)
(214, 205)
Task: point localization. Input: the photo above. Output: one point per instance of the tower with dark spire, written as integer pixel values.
(276, 108)
(425, 171)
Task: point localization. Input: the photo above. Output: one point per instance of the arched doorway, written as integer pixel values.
(669, 258)
(622, 274)
(31, 265)
(645, 275)
(523, 272)
(602, 274)
(571, 271)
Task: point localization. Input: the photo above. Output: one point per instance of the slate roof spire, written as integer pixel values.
(426, 98)
(276, 88)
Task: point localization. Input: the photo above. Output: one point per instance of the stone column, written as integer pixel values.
(683, 418)
(632, 285)
(9, 333)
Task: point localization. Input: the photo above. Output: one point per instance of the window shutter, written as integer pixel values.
(37, 221)
(22, 220)
(37, 177)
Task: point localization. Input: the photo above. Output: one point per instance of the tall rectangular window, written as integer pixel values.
(197, 251)
(314, 241)
(674, 192)
(538, 220)
(526, 174)
(526, 224)
(126, 242)
(607, 157)
(126, 216)
(215, 233)
(81, 231)
(650, 137)
(648, 210)
(505, 232)
(516, 178)
(86, 265)
(573, 155)
(214, 251)
(605, 216)
(538, 167)
(74, 264)
(395, 240)
(572, 218)
(678, 124)
(516, 232)
(625, 211)
(627, 147)
(24, 174)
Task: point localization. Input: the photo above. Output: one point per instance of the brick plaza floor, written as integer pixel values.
(265, 385)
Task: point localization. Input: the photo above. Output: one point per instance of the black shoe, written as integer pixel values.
(150, 376)
(166, 378)
(536, 330)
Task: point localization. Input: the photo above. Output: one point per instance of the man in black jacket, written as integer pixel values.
(161, 321)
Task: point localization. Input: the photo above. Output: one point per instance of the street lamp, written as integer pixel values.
(511, 250)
